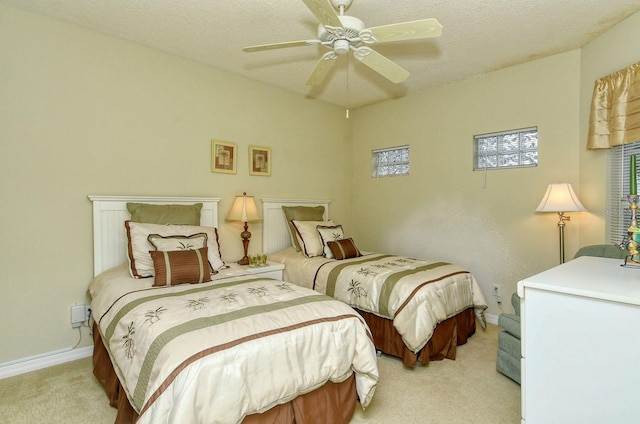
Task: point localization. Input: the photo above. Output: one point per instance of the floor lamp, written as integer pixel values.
(560, 198)
(244, 209)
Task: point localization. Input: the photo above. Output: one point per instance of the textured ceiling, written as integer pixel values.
(478, 36)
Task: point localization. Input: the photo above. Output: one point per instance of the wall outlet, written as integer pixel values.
(497, 290)
(79, 314)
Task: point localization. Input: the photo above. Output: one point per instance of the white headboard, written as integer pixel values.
(275, 233)
(110, 212)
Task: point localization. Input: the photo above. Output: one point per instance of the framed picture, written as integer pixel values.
(259, 161)
(223, 157)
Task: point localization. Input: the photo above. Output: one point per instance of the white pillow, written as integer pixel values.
(140, 262)
(179, 242)
(327, 234)
(308, 236)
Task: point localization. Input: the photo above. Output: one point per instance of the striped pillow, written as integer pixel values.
(180, 267)
(344, 249)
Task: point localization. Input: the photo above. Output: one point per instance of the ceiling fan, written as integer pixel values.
(341, 33)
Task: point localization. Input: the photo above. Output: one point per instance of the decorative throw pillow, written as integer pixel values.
(165, 214)
(301, 213)
(344, 249)
(308, 236)
(140, 262)
(171, 243)
(328, 234)
(179, 242)
(180, 267)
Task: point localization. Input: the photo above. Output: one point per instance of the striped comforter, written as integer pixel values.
(229, 348)
(416, 294)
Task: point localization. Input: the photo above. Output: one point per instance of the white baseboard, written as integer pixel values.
(45, 360)
(491, 319)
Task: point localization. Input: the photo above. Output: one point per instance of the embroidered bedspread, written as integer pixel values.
(416, 294)
(228, 348)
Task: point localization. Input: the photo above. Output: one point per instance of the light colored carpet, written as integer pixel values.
(467, 390)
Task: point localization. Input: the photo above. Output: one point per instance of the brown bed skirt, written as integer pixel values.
(446, 337)
(331, 403)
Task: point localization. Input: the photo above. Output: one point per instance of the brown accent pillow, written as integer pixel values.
(165, 214)
(344, 249)
(180, 267)
(301, 213)
(179, 242)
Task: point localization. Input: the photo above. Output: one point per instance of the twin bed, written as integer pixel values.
(236, 349)
(418, 310)
(255, 350)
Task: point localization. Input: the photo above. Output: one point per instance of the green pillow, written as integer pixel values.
(165, 214)
(301, 213)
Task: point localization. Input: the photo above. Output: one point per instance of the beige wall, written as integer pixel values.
(83, 113)
(444, 209)
(612, 51)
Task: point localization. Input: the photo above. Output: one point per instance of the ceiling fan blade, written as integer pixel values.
(281, 45)
(425, 28)
(324, 65)
(324, 12)
(385, 67)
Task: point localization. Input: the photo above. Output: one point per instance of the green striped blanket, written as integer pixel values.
(219, 351)
(416, 294)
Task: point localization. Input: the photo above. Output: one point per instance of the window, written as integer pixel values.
(618, 213)
(507, 149)
(389, 162)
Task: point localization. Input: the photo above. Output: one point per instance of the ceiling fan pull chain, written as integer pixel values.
(347, 102)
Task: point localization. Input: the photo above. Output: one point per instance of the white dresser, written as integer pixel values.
(581, 343)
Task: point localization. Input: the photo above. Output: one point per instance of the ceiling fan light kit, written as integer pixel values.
(341, 33)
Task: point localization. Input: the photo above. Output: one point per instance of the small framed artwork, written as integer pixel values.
(223, 157)
(259, 161)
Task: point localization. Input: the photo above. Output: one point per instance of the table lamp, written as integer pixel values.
(244, 210)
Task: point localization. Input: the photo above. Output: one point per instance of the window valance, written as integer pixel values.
(615, 109)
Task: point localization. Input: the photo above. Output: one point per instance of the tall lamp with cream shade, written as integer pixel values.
(560, 198)
(244, 210)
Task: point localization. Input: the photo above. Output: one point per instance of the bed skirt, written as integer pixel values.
(331, 403)
(446, 337)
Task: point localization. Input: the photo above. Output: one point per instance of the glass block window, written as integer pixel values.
(507, 149)
(389, 162)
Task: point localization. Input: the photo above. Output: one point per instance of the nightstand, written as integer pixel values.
(270, 270)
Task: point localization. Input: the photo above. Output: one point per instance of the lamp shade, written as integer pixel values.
(560, 197)
(244, 209)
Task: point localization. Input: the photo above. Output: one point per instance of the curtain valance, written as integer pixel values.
(615, 109)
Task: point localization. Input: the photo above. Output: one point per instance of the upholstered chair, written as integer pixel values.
(509, 352)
